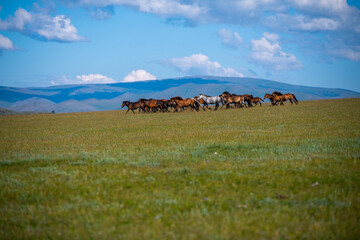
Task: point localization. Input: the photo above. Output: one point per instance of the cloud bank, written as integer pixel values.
(334, 19)
(82, 79)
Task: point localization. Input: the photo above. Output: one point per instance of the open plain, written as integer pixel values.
(285, 172)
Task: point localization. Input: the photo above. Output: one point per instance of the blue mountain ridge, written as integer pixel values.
(95, 97)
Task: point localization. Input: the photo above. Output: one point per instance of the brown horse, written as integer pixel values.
(256, 100)
(247, 99)
(131, 105)
(184, 103)
(275, 99)
(164, 105)
(152, 105)
(290, 97)
(237, 100)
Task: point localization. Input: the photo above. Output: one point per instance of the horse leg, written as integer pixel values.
(133, 111)
(216, 106)
(127, 110)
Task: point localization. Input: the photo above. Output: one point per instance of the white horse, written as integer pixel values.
(211, 100)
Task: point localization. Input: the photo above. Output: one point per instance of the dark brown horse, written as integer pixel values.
(151, 105)
(164, 105)
(247, 99)
(131, 105)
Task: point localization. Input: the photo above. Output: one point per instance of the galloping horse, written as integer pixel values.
(131, 105)
(164, 105)
(288, 96)
(275, 99)
(228, 98)
(211, 100)
(256, 100)
(184, 103)
(291, 97)
(247, 99)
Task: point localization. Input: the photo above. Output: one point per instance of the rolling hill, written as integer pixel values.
(98, 97)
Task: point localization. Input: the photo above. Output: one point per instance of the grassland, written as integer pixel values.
(289, 172)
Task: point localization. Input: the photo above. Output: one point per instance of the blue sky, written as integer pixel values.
(45, 43)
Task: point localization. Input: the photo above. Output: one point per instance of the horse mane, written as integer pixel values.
(277, 93)
(204, 95)
(226, 92)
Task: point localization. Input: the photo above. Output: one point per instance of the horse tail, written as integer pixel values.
(294, 97)
(262, 99)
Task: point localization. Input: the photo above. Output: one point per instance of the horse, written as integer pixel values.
(152, 105)
(131, 105)
(184, 103)
(211, 100)
(164, 105)
(201, 101)
(247, 99)
(291, 97)
(232, 98)
(284, 97)
(256, 100)
(275, 99)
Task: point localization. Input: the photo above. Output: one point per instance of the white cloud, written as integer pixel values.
(95, 78)
(333, 18)
(138, 75)
(81, 79)
(229, 38)
(268, 53)
(200, 64)
(58, 28)
(6, 44)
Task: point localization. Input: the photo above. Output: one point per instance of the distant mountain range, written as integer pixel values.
(98, 97)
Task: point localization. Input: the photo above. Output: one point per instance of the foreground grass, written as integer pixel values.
(270, 172)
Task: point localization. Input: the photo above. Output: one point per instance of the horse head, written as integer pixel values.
(267, 96)
(125, 103)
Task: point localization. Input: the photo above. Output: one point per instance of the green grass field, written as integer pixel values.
(287, 172)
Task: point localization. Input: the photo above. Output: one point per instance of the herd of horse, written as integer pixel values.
(203, 101)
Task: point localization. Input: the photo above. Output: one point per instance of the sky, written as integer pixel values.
(303, 42)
